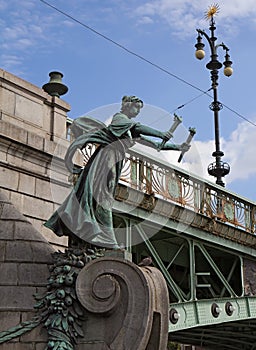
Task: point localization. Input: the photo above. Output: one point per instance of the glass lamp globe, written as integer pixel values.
(228, 71)
(200, 54)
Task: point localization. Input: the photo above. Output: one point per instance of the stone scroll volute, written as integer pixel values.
(125, 306)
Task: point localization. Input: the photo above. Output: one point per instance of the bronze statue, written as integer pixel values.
(86, 214)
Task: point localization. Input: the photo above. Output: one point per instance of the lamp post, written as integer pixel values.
(218, 169)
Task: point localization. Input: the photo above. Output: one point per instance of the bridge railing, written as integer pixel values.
(146, 173)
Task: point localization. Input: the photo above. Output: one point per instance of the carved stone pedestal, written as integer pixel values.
(125, 306)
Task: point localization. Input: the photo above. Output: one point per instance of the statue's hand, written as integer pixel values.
(166, 135)
(184, 147)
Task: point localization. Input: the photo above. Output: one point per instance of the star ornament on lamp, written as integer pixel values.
(212, 11)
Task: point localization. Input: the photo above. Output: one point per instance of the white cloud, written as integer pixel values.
(239, 152)
(145, 20)
(198, 158)
(10, 60)
(237, 8)
(25, 30)
(184, 16)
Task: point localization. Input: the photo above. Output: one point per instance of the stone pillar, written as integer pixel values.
(33, 143)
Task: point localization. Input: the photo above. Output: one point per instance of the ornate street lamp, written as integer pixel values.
(218, 169)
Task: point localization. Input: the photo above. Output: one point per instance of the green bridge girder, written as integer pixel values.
(196, 324)
(210, 277)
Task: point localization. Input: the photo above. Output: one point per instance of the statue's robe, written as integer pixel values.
(87, 211)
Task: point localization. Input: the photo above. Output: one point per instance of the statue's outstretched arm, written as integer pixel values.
(156, 145)
(141, 129)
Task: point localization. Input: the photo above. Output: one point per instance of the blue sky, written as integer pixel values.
(36, 39)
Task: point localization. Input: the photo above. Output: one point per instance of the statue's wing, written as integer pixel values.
(84, 125)
(83, 129)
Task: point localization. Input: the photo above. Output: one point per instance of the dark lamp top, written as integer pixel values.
(55, 87)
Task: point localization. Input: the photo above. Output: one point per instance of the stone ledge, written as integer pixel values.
(12, 80)
(43, 177)
(14, 132)
(17, 134)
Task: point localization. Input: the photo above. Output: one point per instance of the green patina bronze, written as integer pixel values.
(86, 214)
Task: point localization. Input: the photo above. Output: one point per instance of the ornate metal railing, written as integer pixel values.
(145, 173)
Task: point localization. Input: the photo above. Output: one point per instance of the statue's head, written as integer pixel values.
(128, 101)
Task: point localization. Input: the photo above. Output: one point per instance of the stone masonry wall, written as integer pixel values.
(24, 259)
(33, 142)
